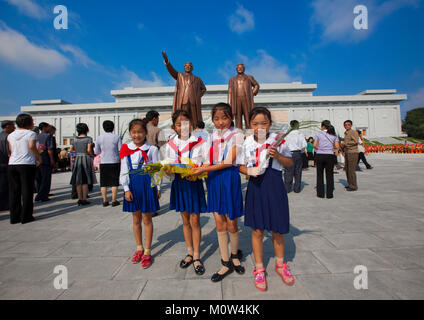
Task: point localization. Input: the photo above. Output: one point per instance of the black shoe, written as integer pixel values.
(31, 219)
(330, 197)
(51, 194)
(115, 203)
(320, 196)
(199, 269)
(184, 264)
(105, 204)
(350, 189)
(369, 168)
(216, 277)
(239, 269)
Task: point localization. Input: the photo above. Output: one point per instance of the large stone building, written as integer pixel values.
(375, 112)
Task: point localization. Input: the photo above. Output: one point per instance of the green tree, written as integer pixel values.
(414, 123)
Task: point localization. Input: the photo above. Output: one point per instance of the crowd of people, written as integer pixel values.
(273, 167)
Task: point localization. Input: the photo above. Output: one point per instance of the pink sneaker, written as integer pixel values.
(137, 256)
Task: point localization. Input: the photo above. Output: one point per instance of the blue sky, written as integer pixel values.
(115, 44)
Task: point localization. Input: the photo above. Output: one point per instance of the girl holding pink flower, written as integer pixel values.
(266, 205)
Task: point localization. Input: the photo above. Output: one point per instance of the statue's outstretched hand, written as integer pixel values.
(165, 57)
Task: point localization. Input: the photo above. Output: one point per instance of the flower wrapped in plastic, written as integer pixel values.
(279, 139)
(157, 170)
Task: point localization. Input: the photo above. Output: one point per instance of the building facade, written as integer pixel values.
(375, 112)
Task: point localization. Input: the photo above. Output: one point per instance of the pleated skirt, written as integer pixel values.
(187, 196)
(224, 192)
(145, 198)
(83, 172)
(267, 206)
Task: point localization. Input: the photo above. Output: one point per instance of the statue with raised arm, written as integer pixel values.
(241, 89)
(189, 90)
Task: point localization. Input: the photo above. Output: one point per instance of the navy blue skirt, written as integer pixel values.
(145, 198)
(187, 196)
(224, 192)
(267, 206)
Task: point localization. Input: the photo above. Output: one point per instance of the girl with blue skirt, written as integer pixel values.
(140, 198)
(225, 199)
(187, 194)
(266, 205)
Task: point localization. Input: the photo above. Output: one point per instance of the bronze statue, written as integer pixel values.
(189, 90)
(241, 90)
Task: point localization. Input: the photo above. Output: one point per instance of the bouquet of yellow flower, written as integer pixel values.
(157, 170)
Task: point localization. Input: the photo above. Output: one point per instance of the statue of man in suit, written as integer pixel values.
(241, 89)
(189, 90)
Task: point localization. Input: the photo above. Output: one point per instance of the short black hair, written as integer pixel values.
(82, 128)
(224, 107)
(260, 110)
(294, 124)
(52, 128)
(6, 123)
(42, 125)
(36, 129)
(350, 121)
(200, 125)
(24, 120)
(108, 126)
(326, 124)
(141, 122)
(151, 115)
(181, 112)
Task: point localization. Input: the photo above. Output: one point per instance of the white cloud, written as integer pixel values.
(263, 67)
(79, 55)
(415, 100)
(241, 21)
(335, 17)
(18, 51)
(131, 79)
(29, 8)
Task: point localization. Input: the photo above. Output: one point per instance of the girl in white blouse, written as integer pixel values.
(187, 194)
(225, 198)
(140, 198)
(266, 205)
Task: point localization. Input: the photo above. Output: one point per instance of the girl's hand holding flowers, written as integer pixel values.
(273, 153)
(197, 171)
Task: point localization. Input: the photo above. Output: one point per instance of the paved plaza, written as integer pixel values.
(381, 226)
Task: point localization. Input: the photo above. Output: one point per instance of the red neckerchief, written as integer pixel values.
(125, 152)
(188, 147)
(214, 150)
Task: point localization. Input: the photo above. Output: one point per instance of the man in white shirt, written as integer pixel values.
(296, 142)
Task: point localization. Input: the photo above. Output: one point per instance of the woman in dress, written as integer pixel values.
(83, 173)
